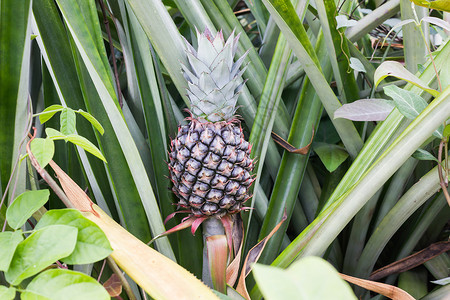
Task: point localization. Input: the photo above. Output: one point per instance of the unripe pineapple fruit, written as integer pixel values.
(210, 161)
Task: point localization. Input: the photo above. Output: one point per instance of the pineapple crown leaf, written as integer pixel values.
(213, 78)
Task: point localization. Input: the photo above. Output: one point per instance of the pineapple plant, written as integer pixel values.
(209, 161)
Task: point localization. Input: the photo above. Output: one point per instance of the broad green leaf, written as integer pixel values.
(7, 293)
(32, 296)
(343, 21)
(92, 244)
(54, 134)
(49, 112)
(310, 278)
(447, 131)
(8, 243)
(332, 156)
(24, 206)
(365, 110)
(42, 248)
(92, 120)
(43, 150)
(357, 65)
(61, 284)
(422, 154)
(396, 69)
(408, 103)
(85, 144)
(68, 121)
(443, 5)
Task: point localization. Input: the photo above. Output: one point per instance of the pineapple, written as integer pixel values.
(209, 160)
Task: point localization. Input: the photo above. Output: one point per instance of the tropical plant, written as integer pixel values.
(369, 193)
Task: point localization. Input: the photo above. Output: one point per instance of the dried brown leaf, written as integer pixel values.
(113, 285)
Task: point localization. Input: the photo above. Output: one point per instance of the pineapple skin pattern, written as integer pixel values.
(209, 160)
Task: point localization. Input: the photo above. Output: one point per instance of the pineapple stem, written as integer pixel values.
(211, 226)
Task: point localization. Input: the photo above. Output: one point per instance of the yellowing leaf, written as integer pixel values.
(443, 5)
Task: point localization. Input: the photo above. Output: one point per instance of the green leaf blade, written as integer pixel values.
(309, 278)
(7, 293)
(65, 284)
(408, 103)
(92, 120)
(39, 250)
(68, 121)
(92, 244)
(24, 206)
(86, 145)
(8, 244)
(396, 69)
(332, 156)
(43, 150)
(49, 112)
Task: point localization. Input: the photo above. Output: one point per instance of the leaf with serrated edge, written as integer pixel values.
(8, 244)
(39, 250)
(24, 206)
(408, 103)
(396, 69)
(61, 284)
(68, 121)
(85, 144)
(92, 244)
(49, 112)
(43, 150)
(92, 120)
(7, 293)
(365, 110)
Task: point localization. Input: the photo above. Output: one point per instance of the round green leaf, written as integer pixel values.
(61, 284)
(24, 206)
(309, 278)
(8, 244)
(43, 150)
(7, 293)
(92, 244)
(42, 248)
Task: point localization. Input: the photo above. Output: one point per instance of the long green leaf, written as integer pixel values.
(100, 75)
(283, 13)
(338, 50)
(293, 166)
(325, 228)
(14, 71)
